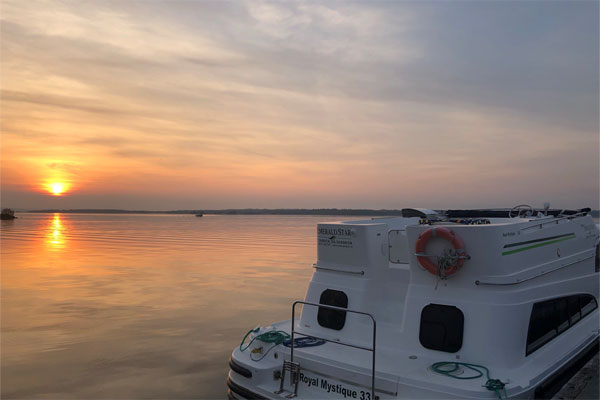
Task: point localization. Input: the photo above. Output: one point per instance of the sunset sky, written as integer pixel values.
(208, 104)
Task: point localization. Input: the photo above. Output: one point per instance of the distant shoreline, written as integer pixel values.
(246, 211)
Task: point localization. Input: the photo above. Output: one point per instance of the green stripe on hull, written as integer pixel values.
(572, 236)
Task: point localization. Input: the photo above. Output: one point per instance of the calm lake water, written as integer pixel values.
(141, 306)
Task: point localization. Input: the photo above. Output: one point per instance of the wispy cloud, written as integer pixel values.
(303, 103)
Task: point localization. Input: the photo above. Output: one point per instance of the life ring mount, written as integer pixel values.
(451, 261)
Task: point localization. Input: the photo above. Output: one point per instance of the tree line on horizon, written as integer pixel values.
(251, 211)
(236, 211)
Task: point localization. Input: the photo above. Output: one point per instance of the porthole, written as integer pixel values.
(441, 328)
(329, 318)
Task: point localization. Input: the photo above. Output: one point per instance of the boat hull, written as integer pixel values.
(523, 310)
(242, 387)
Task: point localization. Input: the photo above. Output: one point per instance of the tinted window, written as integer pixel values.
(542, 325)
(552, 317)
(441, 328)
(587, 304)
(332, 319)
(574, 309)
(562, 313)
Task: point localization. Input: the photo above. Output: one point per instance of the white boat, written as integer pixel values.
(476, 304)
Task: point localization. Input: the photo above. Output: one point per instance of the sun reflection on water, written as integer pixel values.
(55, 237)
(80, 291)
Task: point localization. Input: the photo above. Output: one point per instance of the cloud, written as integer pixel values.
(341, 98)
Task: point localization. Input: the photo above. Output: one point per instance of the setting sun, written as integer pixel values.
(57, 188)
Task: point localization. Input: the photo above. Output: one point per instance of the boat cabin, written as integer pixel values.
(405, 306)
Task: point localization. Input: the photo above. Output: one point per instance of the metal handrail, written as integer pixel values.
(553, 220)
(337, 342)
(343, 271)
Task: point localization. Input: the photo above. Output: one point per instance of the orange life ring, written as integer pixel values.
(445, 233)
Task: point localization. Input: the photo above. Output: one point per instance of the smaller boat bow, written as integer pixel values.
(7, 214)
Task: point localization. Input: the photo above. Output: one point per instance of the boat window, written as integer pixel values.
(441, 328)
(574, 310)
(332, 319)
(587, 304)
(562, 313)
(597, 261)
(552, 317)
(542, 325)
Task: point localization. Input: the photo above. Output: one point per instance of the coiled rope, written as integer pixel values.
(448, 368)
(274, 336)
(277, 338)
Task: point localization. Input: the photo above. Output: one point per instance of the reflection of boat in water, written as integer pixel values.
(199, 215)
(461, 304)
(7, 214)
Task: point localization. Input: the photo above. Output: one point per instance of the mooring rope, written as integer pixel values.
(495, 385)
